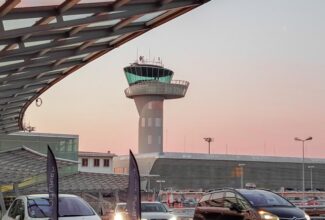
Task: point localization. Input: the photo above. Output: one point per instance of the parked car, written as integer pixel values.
(149, 211)
(246, 204)
(31, 207)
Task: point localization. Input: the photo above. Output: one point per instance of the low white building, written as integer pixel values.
(95, 162)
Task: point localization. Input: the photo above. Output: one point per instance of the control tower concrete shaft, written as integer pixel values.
(149, 85)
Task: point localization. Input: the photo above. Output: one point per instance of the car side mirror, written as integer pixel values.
(236, 207)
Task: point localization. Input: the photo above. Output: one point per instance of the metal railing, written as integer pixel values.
(175, 88)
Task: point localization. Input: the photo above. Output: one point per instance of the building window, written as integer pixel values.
(106, 162)
(96, 162)
(159, 139)
(84, 162)
(149, 122)
(143, 122)
(158, 122)
(149, 139)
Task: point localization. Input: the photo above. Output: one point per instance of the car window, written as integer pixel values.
(242, 202)
(153, 207)
(216, 199)
(204, 200)
(16, 209)
(259, 198)
(68, 206)
(230, 199)
(12, 209)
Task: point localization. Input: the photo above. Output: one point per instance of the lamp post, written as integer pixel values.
(241, 165)
(311, 177)
(303, 162)
(160, 182)
(209, 140)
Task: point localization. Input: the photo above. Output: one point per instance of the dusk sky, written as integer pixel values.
(256, 72)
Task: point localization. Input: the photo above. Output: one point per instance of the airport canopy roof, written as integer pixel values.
(84, 182)
(40, 44)
(19, 164)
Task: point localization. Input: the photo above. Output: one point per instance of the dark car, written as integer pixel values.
(246, 204)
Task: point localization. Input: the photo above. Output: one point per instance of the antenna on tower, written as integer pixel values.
(137, 55)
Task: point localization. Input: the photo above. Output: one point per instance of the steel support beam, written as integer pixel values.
(62, 47)
(8, 6)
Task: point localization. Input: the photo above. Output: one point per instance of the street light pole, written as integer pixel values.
(303, 162)
(241, 165)
(160, 182)
(209, 140)
(311, 177)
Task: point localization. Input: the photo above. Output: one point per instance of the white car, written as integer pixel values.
(36, 207)
(149, 211)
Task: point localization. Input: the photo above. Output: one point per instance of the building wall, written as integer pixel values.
(190, 173)
(96, 169)
(209, 174)
(63, 146)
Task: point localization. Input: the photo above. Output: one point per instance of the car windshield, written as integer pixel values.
(153, 207)
(68, 206)
(259, 198)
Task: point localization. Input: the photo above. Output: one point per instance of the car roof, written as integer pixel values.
(253, 190)
(238, 190)
(154, 202)
(47, 195)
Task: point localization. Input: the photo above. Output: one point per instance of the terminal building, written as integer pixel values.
(181, 171)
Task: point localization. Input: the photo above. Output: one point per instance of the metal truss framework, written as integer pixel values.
(39, 46)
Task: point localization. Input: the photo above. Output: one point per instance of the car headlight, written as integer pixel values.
(267, 216)
(118, 216)
(173, 218)
(307, 217)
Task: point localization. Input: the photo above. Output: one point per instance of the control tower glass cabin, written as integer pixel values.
(149, 85)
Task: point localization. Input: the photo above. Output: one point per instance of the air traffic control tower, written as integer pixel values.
(149, 85)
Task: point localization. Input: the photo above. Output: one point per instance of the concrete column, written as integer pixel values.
(150, 109)
(16, 189)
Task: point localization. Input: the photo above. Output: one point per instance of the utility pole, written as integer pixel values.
(209, 140)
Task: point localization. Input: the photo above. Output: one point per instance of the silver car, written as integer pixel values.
(149, 211)
(36, 207)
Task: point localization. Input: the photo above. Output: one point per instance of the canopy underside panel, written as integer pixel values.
(40, 45)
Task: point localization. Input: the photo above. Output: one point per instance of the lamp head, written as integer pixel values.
(208, 139)
(308, 139)
(297, 139)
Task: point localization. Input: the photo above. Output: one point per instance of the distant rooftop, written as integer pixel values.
(21, 163)
(95, 154)
(33, 134)
(85, 182)
(198, 156)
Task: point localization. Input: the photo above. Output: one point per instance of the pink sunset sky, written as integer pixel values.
(256, 70)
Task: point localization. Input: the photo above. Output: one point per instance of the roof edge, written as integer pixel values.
(37, 153)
